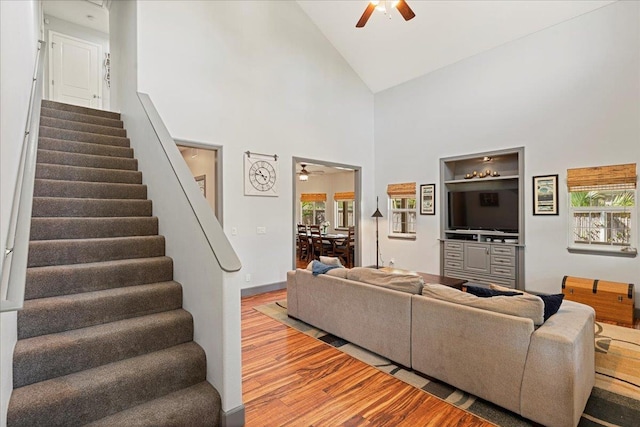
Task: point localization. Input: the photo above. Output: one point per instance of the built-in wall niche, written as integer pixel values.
(482, 217)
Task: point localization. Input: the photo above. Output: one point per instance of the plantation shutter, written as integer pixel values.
(407, 189)
(345, 195)
(615, 177)
(313, 197)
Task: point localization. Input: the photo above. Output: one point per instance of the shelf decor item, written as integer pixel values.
(428, 199)
(545, 195)
(377, 214)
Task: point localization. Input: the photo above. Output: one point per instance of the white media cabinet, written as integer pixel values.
(492, 254)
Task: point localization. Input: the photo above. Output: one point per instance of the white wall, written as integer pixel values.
(83, 33)
(258, 76)
(19, 29)
(569, 94)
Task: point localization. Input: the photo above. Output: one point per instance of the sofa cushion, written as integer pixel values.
(409, 283)
(482, 292)
(527, 306)
(330, 260)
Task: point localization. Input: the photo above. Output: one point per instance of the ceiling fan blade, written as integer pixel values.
(365, 16)
(405, 10)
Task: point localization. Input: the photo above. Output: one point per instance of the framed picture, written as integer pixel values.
(202, 183)
(428, 199)
(545, 195)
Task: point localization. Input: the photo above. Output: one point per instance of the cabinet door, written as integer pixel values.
(476, 257)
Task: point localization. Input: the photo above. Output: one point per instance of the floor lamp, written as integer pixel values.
(377, 215)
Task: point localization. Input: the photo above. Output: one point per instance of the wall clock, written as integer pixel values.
(260, 175)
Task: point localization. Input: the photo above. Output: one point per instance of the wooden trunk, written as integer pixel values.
(613, 301)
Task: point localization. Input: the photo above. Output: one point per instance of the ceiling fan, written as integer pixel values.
(386, 6)
(303, 175)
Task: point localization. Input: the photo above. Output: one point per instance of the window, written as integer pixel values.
(344, 205)
(313, 208)
(402, 210)
(602, 209)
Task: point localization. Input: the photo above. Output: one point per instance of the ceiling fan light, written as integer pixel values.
(303, 177)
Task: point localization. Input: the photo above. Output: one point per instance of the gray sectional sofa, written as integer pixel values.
(542, 372)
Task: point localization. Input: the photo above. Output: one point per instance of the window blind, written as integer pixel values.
(618, 177)
(345, 195)
(407, 189)
(313, 197)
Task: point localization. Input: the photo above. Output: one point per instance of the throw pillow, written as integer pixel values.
(481, 292)
(552, 304)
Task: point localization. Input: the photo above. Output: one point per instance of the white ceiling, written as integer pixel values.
(78, 12)
(388, 52)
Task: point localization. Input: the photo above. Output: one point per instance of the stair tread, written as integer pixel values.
(66, 312)
(76, 108)
(79, 117)
(102, 391)
(63, 206)
(85, 160)
(48, 356)
(66, 146)
(74, 135)
(59, 123)
(196, 406)
(86, 174)
(78, 251)
(88, 189)
(63, 228)
(55, 280)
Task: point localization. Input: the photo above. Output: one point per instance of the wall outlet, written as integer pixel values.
(234, 231)
(247, 277)
(261, 230)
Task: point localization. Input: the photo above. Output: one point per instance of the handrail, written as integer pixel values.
(213, 232)
(14, 267)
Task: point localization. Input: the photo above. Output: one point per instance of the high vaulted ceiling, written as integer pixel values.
(388, 52)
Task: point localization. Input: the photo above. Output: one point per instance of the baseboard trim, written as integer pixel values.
(262, 289)
(232, 418)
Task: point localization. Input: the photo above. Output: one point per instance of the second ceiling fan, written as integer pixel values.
(386, 6)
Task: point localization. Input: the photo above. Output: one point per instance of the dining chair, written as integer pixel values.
(304, 245)
(345, 250)
(317, 244)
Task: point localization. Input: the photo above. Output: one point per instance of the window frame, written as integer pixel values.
(391, 209)
(602, 248)
(314, 210)
(336, 205)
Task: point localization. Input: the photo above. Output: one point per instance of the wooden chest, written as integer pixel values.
(613, 301)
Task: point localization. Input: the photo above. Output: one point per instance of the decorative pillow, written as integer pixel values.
(527, 306)
(552, 304)
(409, 283)
(481, 292)
(330, 260)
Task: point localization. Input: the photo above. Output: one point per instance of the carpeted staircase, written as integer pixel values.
(102, 339)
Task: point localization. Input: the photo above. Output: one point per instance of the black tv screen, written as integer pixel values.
(484, 210)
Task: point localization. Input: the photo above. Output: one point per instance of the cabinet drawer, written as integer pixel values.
(503, 250)
(453, 255)
(503, 260)
(456, 246)
(453, 263)
(503, 271)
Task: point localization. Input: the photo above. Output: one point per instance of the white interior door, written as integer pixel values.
(74, 71)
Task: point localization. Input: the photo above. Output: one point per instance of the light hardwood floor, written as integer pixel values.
(291, 379)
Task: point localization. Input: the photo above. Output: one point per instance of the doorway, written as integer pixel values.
(326, 194)
(205, 163)
(74, 70)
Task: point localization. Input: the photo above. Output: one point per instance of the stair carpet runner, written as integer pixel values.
(102, 339)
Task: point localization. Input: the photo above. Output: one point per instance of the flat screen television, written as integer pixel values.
(484, 210)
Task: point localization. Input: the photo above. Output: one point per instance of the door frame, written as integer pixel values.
(357, 186)
(218, 165)
(98, 65)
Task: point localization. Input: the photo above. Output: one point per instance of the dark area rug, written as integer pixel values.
(614, 401)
